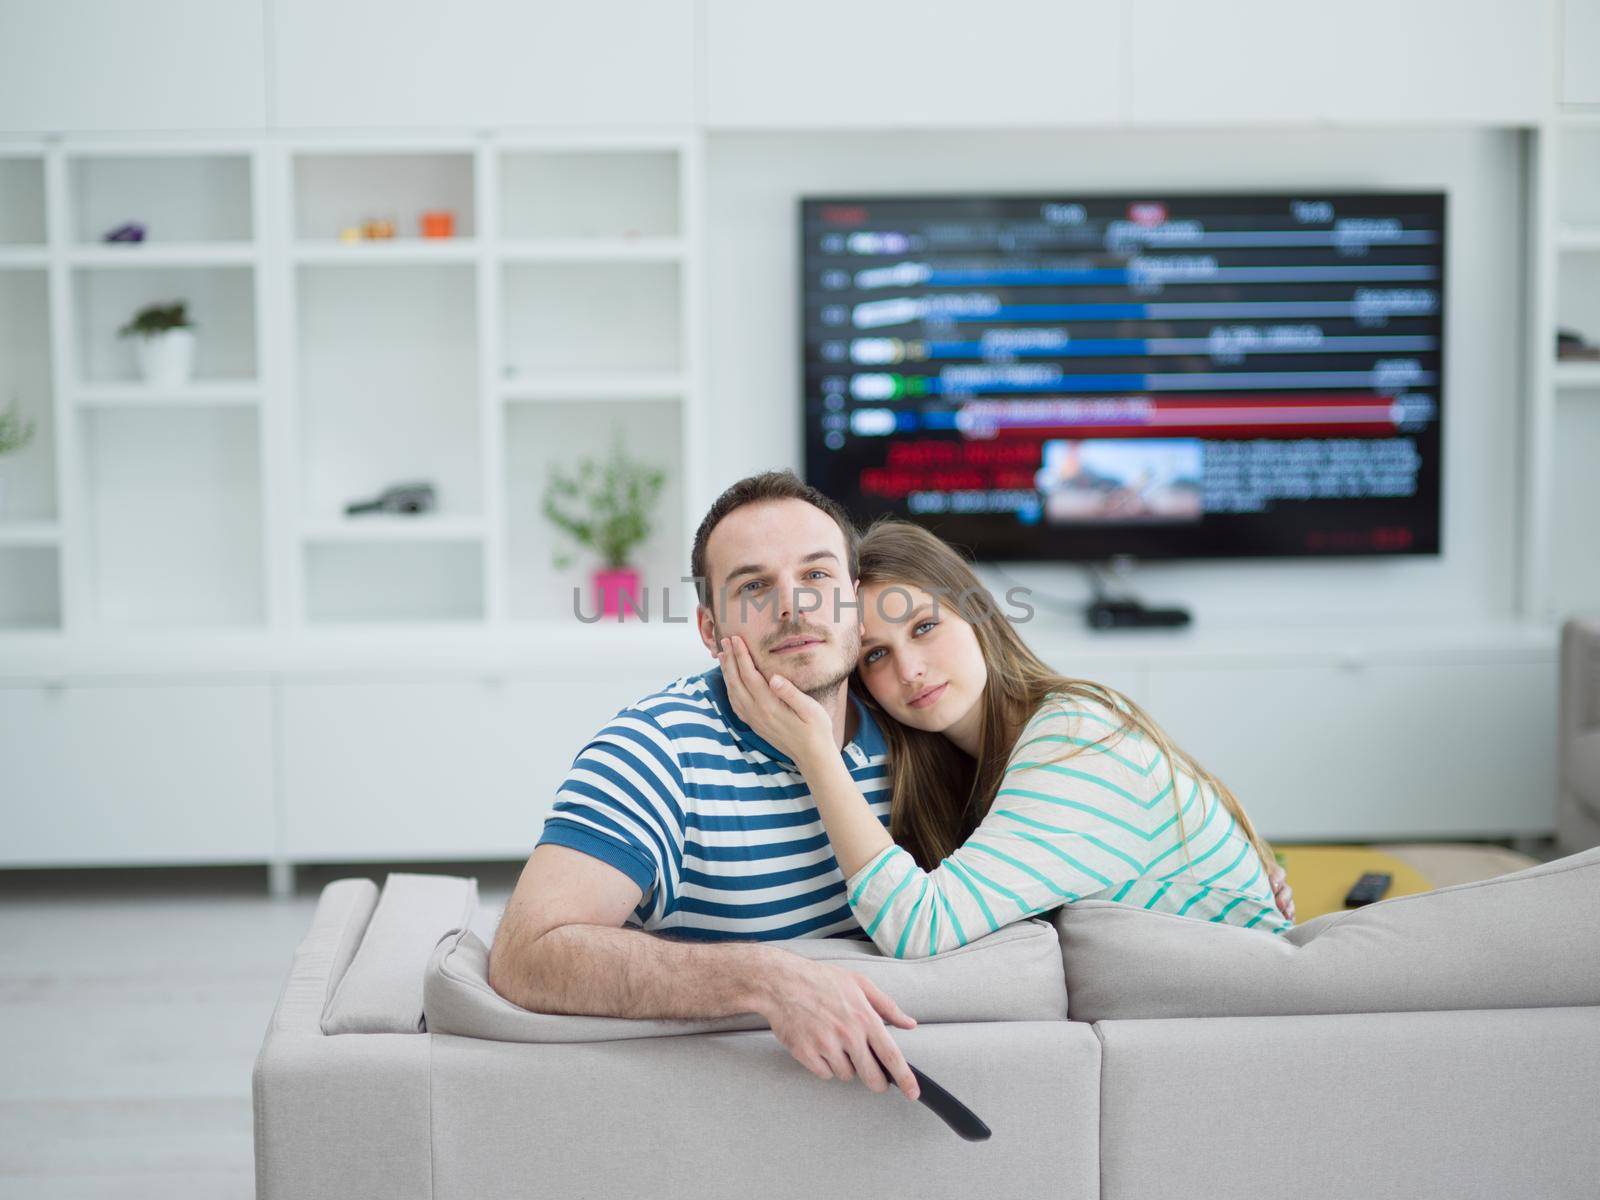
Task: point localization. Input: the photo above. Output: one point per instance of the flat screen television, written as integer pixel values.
(1079, 377)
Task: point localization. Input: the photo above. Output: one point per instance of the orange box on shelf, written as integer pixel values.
(438, 223)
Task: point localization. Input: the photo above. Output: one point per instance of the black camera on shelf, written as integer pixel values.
(401, 498)
(1571, 347)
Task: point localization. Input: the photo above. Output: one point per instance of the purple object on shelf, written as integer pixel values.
(133, 231)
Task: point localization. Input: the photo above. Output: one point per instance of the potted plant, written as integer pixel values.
(15, 433)
(606, 507)
(165, 343)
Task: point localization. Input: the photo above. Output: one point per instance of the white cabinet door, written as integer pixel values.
(433, 769)
(1459, 61)
(113, 65)
(1580, 52)
(1374, 751)
(911, 63)
(341, 63)
(108, 774)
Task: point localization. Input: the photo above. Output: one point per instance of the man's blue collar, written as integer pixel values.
(869, 738)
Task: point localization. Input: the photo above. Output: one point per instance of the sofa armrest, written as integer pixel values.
(324, 954)
(338, 1117)
(381, 992)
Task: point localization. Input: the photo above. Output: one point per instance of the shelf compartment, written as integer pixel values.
(30, 587)
(221, 301)
(173, 517)
(538, 435)
(1578, 298)
(335, 191)
(569, 193)
(388, 380)
(1574, 501)
(1578, 169)
(594, 317)
(194, 198)
(386, 581)
(27, 477)
(22, 207)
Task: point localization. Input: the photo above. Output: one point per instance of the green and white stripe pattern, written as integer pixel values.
(1099, 825)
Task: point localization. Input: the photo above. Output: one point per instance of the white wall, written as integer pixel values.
(745, 64)
(752, 184)
(944, 63)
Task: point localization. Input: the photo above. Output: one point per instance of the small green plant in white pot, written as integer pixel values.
(606, 507)
(164, 341)
(15, 433)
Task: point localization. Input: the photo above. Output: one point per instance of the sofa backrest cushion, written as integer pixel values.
(381, 990)
(1526, 940)
(1011, 975)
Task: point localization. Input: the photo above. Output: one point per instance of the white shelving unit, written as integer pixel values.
(563, 312)
(1561, 563)
(163, 503)
(611, 224)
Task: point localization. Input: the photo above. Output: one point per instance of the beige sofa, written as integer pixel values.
(1441, 1045)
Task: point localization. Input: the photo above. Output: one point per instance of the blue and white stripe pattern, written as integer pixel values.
(1101, 825)
(714, 823)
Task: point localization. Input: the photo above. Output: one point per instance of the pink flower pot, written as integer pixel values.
(611, 585)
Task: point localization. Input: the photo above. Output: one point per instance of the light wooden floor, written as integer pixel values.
(132, 1004)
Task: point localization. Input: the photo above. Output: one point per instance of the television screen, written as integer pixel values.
(1075, 377)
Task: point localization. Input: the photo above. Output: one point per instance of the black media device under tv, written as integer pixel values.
(1080, 377)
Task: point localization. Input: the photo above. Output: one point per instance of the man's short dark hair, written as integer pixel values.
(769, 485)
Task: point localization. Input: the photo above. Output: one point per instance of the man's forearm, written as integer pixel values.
(599, 970)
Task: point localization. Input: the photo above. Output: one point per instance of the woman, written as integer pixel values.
(1016, 790)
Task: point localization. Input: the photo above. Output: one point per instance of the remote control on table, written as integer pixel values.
(1368, 888)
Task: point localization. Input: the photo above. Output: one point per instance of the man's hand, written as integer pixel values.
(827, 1018)
(1281, 891)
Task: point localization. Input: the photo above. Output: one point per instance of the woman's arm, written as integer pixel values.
(858, 836)
(1057, 830)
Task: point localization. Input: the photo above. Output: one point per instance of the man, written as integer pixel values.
(678, 819)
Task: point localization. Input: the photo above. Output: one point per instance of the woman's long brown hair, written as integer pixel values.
(940, 794)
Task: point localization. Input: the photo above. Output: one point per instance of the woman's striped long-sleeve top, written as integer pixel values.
(1101, 824)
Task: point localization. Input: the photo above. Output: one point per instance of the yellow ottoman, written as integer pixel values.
(1321, 875)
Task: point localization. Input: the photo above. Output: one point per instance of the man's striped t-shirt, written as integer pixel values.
(713, 822)
(1101, 824)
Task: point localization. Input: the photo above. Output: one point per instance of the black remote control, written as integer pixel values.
(951, 1111)
(1368, 888)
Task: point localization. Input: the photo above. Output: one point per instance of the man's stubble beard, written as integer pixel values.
(824, 691)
